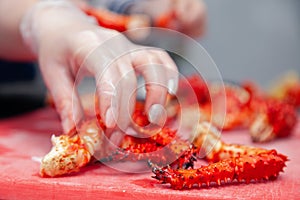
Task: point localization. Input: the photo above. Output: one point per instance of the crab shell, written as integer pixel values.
(67, 155)
(277, 119)
(70, 153)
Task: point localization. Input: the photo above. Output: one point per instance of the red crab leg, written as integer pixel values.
(245, 168)
(115, 21)
(73, 151)
(277, 119)
(232, 162)
(271, 118)
(287, 89)
(207, 140)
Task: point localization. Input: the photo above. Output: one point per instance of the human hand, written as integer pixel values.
(67, 45)
(186, 16)
(190, 17)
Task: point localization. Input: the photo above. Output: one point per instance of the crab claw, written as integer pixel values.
(67, 155)
(277, 119)
(71, 152)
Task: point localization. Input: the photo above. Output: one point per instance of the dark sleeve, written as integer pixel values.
(120, 6)
(16, 71)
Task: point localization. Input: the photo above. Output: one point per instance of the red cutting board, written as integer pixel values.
(26, 136)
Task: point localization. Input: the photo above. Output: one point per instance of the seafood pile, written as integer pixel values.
(266, 116)
(173, 159)
(228, 163)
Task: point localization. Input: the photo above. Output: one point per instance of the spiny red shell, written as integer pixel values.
(281, 116)
(245, 168)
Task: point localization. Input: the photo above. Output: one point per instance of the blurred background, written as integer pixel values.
(255, 40)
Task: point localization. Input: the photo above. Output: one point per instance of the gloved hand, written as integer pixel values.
(186, 16)
(68, 44)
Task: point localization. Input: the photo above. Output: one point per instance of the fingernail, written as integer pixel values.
(110, 117)
(172, 86)
(116, 138)
(157, 114)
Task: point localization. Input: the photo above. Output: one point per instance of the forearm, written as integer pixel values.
(12, 46)
(11, 43)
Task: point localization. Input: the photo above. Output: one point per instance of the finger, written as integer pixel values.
(112, 142)
(100, 63)
(128, 84)
(65, 95)
(116, 138)
(171, 70)
(150, 66)
(108, 93)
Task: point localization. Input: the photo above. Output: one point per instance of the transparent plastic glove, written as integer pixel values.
(186, 16)
(68, 45)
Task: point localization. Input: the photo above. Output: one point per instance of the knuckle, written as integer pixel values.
(156, 89)
(106, 87)
(129, 79)
(151, 57)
